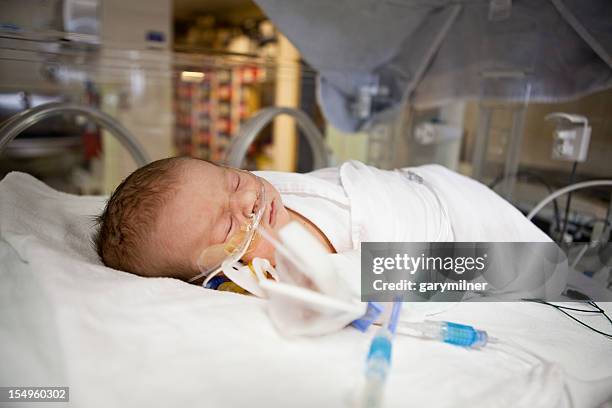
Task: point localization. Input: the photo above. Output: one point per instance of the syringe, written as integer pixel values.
(448, 332)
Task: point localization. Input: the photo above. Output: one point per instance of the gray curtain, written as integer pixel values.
(383, 52)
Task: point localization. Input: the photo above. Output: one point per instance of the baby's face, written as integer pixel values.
(211, 205)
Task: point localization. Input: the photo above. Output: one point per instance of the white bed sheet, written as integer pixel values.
(121, 340)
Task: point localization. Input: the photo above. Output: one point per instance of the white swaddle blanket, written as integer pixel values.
(433, 204)
(386, 206)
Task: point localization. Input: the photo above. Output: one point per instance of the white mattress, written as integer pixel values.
(121, 340)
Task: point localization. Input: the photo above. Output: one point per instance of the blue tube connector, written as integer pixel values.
(463, 335)
(378, 361)
(453, 333)
(378, 364)
(379, 356)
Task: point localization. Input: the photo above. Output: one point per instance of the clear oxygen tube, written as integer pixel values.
(470, 337)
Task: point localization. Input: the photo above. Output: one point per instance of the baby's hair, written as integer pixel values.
(127, 222)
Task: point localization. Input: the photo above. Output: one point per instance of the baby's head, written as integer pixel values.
(161, 218)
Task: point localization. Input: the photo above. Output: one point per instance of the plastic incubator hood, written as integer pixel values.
(373, 55)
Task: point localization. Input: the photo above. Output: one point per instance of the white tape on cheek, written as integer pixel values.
(248, 279)
(242, 276)
(262, 267)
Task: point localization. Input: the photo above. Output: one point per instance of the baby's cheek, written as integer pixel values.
(260, 249)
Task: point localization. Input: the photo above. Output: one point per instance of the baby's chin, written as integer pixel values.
(263, 249)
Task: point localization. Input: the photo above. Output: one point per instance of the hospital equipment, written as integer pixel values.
(596, 309)
(223, 283)
(453, 333)
(571, 142)
(226, 258)
(314, 293)
(564, 190)
(314, 300)
(378, 360)
(302, 259)
(214, 258)
(249, 130)
(373, 311)
(249, 276)
(23, 120)
(531, 176)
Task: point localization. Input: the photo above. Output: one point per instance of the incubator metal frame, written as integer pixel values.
(249, 131)
(23, 120)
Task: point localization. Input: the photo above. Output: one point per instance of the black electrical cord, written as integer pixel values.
(568, 203)
(563, 309)
(608, 218)
(595, 305)
(539, 179)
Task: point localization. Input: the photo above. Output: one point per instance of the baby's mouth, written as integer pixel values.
(272, 217)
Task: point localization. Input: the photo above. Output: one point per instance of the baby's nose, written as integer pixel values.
(244, 203)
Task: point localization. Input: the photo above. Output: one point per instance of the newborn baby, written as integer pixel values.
(162, 217)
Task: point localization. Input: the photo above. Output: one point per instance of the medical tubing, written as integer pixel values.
(378, 363)
(563, 309)
(564, 190)
(568, 204)
(379, 354)
(539, 179)
(506, 347)
(579, 256)
(278, 246)
(448, 332)
(372, 394)
(394, 317)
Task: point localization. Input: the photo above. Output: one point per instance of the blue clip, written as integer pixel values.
(364, 322)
